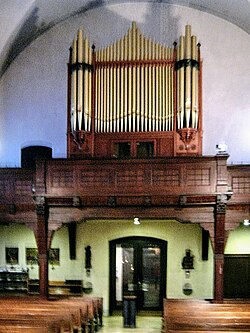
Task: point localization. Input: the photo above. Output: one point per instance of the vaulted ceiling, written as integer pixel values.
(23, 21)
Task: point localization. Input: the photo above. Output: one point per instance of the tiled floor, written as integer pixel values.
(114, 324)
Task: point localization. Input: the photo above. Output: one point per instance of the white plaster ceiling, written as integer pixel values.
(21, 21)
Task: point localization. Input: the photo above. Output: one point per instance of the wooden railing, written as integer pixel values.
(167, 176)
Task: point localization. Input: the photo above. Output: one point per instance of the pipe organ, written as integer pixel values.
(134, 92)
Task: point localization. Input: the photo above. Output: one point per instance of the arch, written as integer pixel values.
(142, 273)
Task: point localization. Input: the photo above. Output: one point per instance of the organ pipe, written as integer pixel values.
(134, 85)
(74, 87)
(187, 67)
(79, 79)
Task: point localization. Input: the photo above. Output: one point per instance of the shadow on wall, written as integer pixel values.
(30, 154)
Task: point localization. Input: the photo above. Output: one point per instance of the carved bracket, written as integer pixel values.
(187, 135)
(221, 203)
(40, 205)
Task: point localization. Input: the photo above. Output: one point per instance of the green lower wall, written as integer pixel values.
(97, 234)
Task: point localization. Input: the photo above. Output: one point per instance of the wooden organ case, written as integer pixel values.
(134, 98)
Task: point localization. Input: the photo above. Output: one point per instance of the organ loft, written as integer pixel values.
(135, 98)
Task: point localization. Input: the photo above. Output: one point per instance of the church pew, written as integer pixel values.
(201, 316)
(40, 321)
(71, 315)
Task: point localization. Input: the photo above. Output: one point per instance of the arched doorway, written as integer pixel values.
(138, 267)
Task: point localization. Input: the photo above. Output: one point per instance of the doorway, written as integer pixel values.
(237, 276)
(138, 268)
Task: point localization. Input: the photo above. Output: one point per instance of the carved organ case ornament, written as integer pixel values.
(134, 92)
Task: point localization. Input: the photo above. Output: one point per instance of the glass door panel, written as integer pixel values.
(151, 276)
(125, 273)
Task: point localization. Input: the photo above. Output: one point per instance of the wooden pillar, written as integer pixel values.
(220, 214)
(42, 244)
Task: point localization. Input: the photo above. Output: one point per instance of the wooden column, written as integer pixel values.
(42, 243)
(220, 214)
(41, 232)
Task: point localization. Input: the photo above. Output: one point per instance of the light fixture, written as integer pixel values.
(246, 223)
(221, 148)
(136, 221)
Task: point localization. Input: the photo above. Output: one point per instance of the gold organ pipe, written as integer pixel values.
(153, 88)
(150, 87)
(122, 87)
(133, 93)
(156, 89)
(114, 92)
(168, 78)
(188, 75)
(104, 94)
(118, 87)
(126, 85)
(142, 79)
(182, 84)
(194, 88)
(194, 83)
(171, 55)
(160, 89)
(178, 99)
(172, 98)
(101, 87)
(134, 78)
(197, 95)
(86, 87)
(138, 83)
(79, 78)
(114, 78)
(107, 91)
(130, 87)
(146, 86)
(164, 88)
(161, 56)
(167, 94)
(111, 75)
(159, 99)
(74, 90)
(98, 95)
(90, 85)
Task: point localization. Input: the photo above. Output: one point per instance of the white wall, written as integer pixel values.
(33, 90)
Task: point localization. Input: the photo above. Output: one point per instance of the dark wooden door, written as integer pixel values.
(138, 268)
(237, 276)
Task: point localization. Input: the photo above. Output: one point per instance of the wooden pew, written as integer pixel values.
(202, 316)
(35, 315)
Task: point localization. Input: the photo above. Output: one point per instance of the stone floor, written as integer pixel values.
(114, 324)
